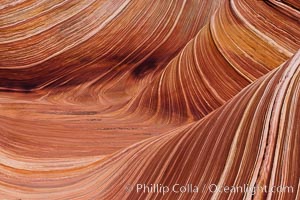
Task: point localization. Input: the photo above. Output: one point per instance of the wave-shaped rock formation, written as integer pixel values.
(100, 97)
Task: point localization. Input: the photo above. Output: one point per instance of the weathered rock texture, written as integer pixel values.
(96, 95)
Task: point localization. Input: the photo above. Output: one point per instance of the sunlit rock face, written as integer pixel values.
(152, 99)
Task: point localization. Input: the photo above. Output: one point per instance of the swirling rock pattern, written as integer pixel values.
(100, 95)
